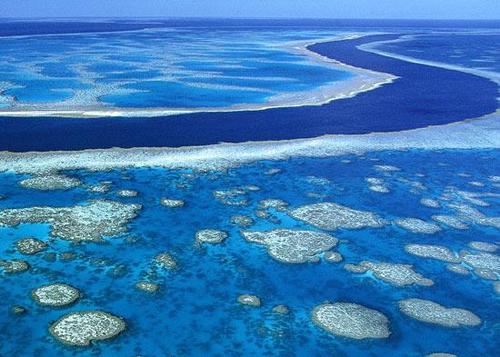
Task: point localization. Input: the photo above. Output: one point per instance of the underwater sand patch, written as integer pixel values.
(486, 265)
(434, 313)
(277, 204)
(316, 195)
(232, 197)
(127, 193)
(458, 269)
(82, 328)
(165, 261)
(251, 188)
(90, 222)
(484, 246)
(172, 203)
(433, 252)
(147, 287)
(333, 257)
(55, 295)
(375, 181)
(242, 221)
(469, 214)
(18, 310)
(272, 172)
(14, 266)
(394, 274)
(386, 168)
(30, 246)
(377, 185)
(416, 187)
(379, 188)
(331, 216)
(351, 320)
(472, 197)
(281, 309)
(319, 181)
(67, 256)
(249, 300)
(50, 181)
(450, 221)
(211, 236)
(262, 214)
(486, 274)
(416, 225)
(292, 246)
(429, 202)
(101, 187)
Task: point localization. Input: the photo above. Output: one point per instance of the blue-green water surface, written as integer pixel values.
(196, 311)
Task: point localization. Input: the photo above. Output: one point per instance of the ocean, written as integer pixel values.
(381, 229)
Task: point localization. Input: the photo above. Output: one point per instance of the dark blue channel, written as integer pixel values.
(422, 96)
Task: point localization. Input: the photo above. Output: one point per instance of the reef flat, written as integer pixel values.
(433, 252)
(310, 235)
(250, 223)
(50, 181)
(396, 274)
(30, 246)
(290, 246)
(351, 320)
(417, 225)
(91, 222)
(331, 216)
(81, 328)
(431, 312)
(55, 295)
(212, 236)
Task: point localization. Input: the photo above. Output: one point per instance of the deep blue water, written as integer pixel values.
(16, 27)
(422, 96)
(471, 50)
(196, 312)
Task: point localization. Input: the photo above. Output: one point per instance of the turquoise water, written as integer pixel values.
(36, 90)
(165, 67)
(147, 96)
(196, 313)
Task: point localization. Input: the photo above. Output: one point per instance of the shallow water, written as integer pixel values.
(159, 68)
(196, 311)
